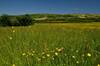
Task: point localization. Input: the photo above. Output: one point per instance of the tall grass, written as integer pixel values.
(48, 45)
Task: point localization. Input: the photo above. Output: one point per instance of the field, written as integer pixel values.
(71, 44)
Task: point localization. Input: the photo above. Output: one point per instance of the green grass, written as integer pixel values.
(50, 45)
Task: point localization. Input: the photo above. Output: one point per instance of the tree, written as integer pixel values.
(25, 20)
(5, 20)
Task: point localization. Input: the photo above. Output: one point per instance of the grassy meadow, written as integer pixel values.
(71, 44)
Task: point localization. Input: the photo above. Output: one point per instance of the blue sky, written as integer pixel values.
(49, 6)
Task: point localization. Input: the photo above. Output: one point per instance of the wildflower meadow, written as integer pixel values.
(50, 45)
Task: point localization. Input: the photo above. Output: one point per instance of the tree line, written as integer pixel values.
(25, 20)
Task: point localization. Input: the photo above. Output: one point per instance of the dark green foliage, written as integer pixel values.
(82, 20)
(5, 21)
(24, 20)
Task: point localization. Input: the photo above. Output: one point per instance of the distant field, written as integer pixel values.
(65, 44)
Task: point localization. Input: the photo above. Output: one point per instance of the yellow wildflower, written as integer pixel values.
(43, 57)
(98, 65)
(32, 54)
(48, 55)
(52, 58)
(60, 49)
(24, 54)
(13, 31)
(38, 59)
(88, 54)
(13, 65)
(33, 51)
(10, 38)
(77, 62)
(43, 53)
(56, 48)
(73, 57)
(56, 53)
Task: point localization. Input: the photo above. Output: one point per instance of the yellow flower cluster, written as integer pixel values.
(52, 55)
(28, 53)
(44, 55)
(60, 49)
